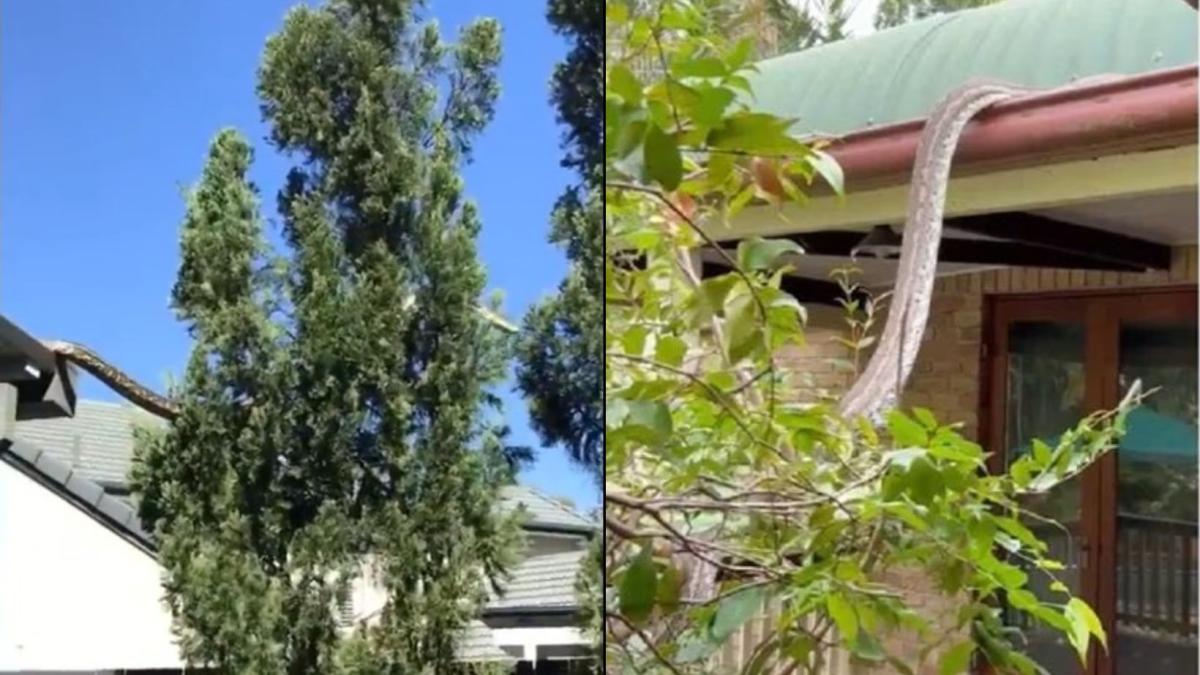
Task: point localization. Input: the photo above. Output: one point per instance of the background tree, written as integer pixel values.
(559, 369)
(898, 12)
(559, 366)
(332, 413)
(800, 25)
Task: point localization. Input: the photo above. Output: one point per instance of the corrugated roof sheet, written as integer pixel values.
(899, 74)
(541, 582)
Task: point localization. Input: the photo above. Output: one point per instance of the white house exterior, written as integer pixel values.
(77, 594)
(80, 585)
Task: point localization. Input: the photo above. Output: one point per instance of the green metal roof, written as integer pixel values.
(900, 74)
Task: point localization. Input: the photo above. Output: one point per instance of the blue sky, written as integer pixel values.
(106, 110)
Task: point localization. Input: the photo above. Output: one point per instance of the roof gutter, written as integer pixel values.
(1152, 111)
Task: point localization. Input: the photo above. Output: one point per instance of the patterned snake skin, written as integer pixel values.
(151, 401)
(115, 378)
(881, 381)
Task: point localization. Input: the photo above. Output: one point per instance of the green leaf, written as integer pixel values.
(623, 83)
(664, 164)
(926, 418)
(757, 253)
(905, 432)
(1078, 610)
(740, 54)
(867, 648)
(829, 169)
(741, 199)
(735, 610)
(715, 290)
(720, 168)
(744, 328)
(756, 134)
(798, 647)
(638, 587)
(709, 107)
(957, 659)
(616, 13)
(1051, 617)
(634, 340)
(670, 350)
(1023, 534)
(652, 417)
(1041, 452)
(842, 613)
(703, 67)
(670, 585)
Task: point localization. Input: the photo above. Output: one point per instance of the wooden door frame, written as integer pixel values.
(1101, 312)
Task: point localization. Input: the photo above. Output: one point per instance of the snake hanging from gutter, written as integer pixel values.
(149, 400)
(878, 388)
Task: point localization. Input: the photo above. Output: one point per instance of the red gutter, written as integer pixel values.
(1142, 112)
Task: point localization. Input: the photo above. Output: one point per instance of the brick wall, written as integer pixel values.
(945, 379)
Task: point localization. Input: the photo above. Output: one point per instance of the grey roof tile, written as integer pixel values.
(541, 582)
(87, 491)
(116, 510)
(477, 643)
(98, 444)
(544, 512)
(52, 468)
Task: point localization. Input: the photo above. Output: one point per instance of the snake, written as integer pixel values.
(878, 388)
(151, 401)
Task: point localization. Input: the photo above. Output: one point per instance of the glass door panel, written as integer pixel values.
(1045, 396)
(1156, 503)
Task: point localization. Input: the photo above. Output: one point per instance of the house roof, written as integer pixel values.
(476, 642)
(540, 583)
(78, 488)
(98, 443)
(82, 456)
(544, 512)
(901, 73)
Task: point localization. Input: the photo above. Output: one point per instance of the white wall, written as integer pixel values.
(74, 595)
(530, 639)
(544, 544)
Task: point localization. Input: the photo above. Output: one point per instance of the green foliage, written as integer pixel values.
(590, 590)
(723, 491)
(898, 12)
(559, 367)
(810, 23)
(332, 426)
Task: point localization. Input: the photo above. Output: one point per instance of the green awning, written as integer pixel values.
(899, 74)
(1151, 436)
(1150, 433)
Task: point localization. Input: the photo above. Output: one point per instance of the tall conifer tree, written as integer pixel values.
(332, 413)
